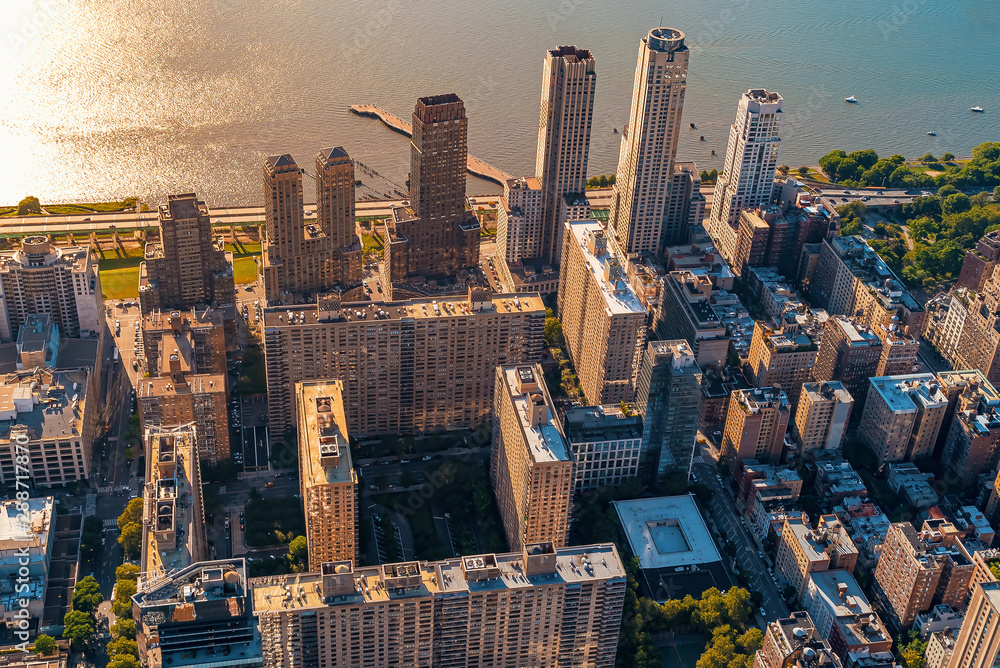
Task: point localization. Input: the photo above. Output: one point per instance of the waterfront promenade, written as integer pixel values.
(475, 165)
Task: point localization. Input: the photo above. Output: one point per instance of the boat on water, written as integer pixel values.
(978, 110)
(692, 126)
(702, 138)
(851, 99)
(713, 151)
(615, 131)
(932, 134)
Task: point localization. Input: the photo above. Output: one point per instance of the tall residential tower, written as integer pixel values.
(747, 178)
(649, 143)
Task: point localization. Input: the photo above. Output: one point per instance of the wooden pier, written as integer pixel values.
(475, 165)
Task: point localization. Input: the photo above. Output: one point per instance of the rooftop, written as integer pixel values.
(539, 423)
(905, 394)
(47, 404)
(19, 530)
(324, 449)
(666, 532)
(606, 269)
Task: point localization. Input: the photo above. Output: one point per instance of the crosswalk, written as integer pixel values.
(110, 489)
(111, 523)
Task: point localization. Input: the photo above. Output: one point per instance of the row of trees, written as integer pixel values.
(122, 650)
(130, 528)
(80, 621)
(602, 181)
(866, 168)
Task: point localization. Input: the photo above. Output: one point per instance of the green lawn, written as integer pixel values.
(244, 270)
(122, 283)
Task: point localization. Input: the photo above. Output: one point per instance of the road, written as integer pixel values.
(725, 516)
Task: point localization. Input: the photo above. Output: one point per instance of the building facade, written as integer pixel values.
(822, 415)
(60, 281)
(531, 466)
(668, 391)
(849, 353)
(685, 312)
(178, 397)
(606, 443)
(328, 482)
(903, 416)
(755, 426)
(803, 550)
(978, 643)
(782, 358)
(188, 266)
(408, 367)
(746, 180)
(602, 318)
(649, 144)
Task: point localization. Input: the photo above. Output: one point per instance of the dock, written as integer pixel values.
(475, 165)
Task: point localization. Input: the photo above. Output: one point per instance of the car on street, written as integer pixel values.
(426, 458)
(269, 484)
(762, 612)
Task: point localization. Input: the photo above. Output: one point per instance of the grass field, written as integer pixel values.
(120, 283)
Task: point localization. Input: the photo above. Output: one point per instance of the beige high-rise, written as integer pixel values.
(649, 144)
(327, 478)
(541, 606)
(803, 550)
(822, 415)
(755, 426)
(407, 366)
(782, 358)
(173, 532)
(569, 80)
(603, 321)
(978, 644)
(531, 465)
(179, 398)
(188, 266)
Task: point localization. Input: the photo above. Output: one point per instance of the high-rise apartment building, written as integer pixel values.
(407, 366)
(903, 416)
(851, 279)
(685, 311)
(747, 177)
(60, 281)
(843, 615)
(198, 337)
(978, 345)
(531, 464)
(300, 257)
(519, 220)
(177, 397)
(50, 415)
(668, 391)
(803, 550)
(173, 513)
(685, 207)
(913, 573)
(203, 611)
(188, 266)
(434, 236)
(752, 235)
(782, 358)
(755, 426)
(972, 438)
(979, 262)
(978, 643)
(793, 642)
(899, 351)
(603, 320)
(821, 416)
(649, 145)
(849, 353)
(541, 606)
(328, 481)
(605, 442)
(569, 80)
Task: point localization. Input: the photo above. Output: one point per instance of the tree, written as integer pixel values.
(928, 157)
(123, 646)
(948, 157)
(850, 228)
(298, 554)
(28, 206)
(87, 595)
(132, 514)
(803, 171)
(124, 661)
(45, 645)
(130, 539)
(123, 628)
(996, 194)
(865, 159)
(127, 572)
(122, 604)
(553, 333)
(946, 190)
(79, 628)
(782, 169)
(956, 203)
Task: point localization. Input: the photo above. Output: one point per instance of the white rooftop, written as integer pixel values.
(620, 298)
(545, 442)
(667, 531)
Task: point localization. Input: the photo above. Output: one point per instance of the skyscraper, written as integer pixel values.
(434, 236)
(569, 79)
(978, 644)
(530, 463)
(329, 483)
(603, 320)
(667, 393)
(755, 426)
(188, 266)
(649, 144)
(747, 178)
(302, 257)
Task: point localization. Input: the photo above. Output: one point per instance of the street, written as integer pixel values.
(726, 518)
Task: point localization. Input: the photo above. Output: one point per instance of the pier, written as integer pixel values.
(475, 165)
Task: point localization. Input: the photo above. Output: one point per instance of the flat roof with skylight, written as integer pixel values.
(667, 532)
